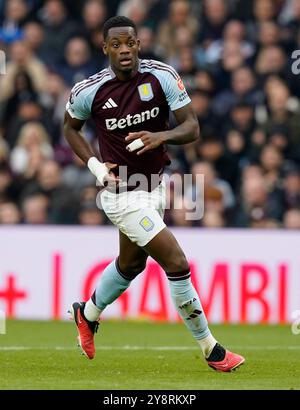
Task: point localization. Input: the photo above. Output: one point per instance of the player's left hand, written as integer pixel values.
(151, 140)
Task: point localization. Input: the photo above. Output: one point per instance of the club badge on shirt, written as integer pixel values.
(145, 91)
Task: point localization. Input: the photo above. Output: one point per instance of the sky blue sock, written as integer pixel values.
(189, 307)
(110, 286)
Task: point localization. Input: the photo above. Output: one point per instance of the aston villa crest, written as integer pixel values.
(146, 92)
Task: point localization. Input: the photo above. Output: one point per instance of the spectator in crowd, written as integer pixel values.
(257, 207)
(35, 209)
(89, 193)
(90, 215)
(215, 14)
(270, 60)
(212, 151)
(58, 29)
(269, 34)
(32, 147)
(236, 150)
(242, 120)
(201, 102)
(205, 181)
(63, 203)
(78, 64)
(22, 59)
(271, 160)
(213, 200)
(263, 11)
(180, 15)
(77, 175)
(243, 89)
(291, 186)
(148, 47)
(15, 14)
(291, 26)
(291, 219)
(205, 81)
(135, 10)
(22, 90)
(34, 37)
(212, 219)
(9, 213)
(281, 114)
(4, 151)
(53, 102)
(234, 31)
(94, 14)
(5, 182)
(278, 137)
(186, 65)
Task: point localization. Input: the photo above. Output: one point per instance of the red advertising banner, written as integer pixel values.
(242, 276)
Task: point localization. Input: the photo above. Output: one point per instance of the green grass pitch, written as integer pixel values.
(142, 355)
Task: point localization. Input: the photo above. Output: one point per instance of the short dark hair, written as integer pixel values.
(117, 21)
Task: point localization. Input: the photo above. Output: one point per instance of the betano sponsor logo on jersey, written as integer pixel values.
(114, 123)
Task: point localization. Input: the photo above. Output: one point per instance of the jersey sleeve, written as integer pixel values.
(174, 89)
(77, 105)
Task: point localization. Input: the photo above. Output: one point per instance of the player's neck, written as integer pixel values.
(125, 76)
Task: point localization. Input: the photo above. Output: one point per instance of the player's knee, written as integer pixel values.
(178, 263)
(132, 269)
(136, 269)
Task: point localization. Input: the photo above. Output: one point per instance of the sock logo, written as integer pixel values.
(194, 314)
(185, 304)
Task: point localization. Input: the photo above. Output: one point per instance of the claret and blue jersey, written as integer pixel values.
(141, 103)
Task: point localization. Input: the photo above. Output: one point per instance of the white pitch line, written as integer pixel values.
(153, 348)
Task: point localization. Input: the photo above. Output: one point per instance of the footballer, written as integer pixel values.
(130, 102)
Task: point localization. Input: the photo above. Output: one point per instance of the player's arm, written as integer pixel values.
(72, 132)
(187, 129)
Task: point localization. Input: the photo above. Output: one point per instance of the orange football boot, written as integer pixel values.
(86, 329)
(231, 361)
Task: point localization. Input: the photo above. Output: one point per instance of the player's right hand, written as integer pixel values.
(110, 179)
(102, 172)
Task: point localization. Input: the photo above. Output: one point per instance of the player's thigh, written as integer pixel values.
(136, 214)
(138, 222)
(165, 249)
(132, 258)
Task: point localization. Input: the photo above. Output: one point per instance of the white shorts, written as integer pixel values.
(138, 214)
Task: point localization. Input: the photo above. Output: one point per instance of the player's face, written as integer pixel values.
(122, 47)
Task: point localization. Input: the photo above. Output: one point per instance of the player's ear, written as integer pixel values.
(104, 48)
(139, 44)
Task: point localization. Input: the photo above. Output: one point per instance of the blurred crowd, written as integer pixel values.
(235, 58)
